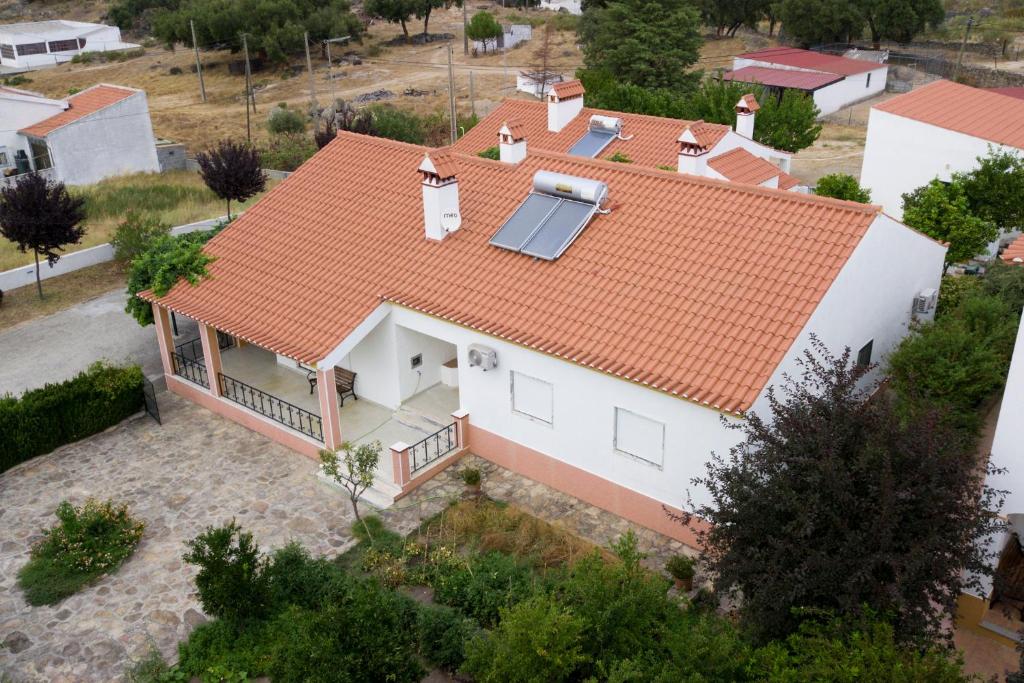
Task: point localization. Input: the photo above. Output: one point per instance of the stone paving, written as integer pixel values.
(196, 470)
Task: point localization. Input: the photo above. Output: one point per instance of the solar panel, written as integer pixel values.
(521, 225)
(591, 144)
(559, 230)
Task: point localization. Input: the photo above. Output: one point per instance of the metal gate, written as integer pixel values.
(149, 395)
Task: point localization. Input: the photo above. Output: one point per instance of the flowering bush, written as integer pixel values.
(87, 542)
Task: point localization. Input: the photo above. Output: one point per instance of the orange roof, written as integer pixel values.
(740, 166)
(655, 292)
(1014, 251)
(973, 111)
(751, 102)
(808, 59)
(81, 105)
(787, 181)
(515, 129)
(651, 139)
(568, 89)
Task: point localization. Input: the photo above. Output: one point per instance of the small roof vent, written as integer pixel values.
(601, 131)
(552, 215)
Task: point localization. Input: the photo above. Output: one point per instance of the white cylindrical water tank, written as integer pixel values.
(570, 187)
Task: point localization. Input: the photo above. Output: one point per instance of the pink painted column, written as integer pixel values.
(461, 418)
(211, 356)
(164, 338)
(330, 414)
(400, 463)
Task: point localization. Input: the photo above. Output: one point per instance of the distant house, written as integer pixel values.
(537, 83)
(36, 44)
(570, 6)
(933, 132)
(100, 132)
(834, 82)
(511, 36)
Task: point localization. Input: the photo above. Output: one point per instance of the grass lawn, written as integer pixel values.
(176, 198)
(23, 304)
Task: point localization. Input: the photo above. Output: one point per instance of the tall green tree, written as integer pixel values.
(727, 16)
(391, 11)
(995, 189)
(842, 186)
(899, 20)
(484, 28)
(942, 211)
(835, 502)
(813, 22)
(42, 217)
(649, 43)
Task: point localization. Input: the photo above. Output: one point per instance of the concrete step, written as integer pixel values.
(1015, 636)
(380, 495)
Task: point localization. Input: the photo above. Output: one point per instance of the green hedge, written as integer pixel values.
(43, 419)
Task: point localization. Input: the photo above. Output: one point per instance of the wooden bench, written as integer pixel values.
(344, 382)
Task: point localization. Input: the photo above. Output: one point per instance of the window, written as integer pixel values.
(63, 45)
(864, 355)
(532, 397)
(868, 83)
(40, 154)
(32, 49)
(639, 437)
(7, 51)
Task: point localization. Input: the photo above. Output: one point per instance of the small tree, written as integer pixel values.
(232, 581)
(941, 210)
(391, 11)
(995, 188)
(41, 217)
(543, 56)
(837, 503)
(232, 170)
(842, 186)
(353, 470)
(135, 233)
(484, 27)
(285, 120)
(164, 262)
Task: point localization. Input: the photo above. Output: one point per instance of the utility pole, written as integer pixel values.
(199, 65)
(451, 94)
(330, 69)
(248, 124)
(309, 68)
(465, 37)
(472, 96)
(963, 46)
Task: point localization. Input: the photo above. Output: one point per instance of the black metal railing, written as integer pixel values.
(192, 370)
(193, 348)
(434, 447)
(276, 409)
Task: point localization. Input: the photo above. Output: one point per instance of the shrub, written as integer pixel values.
(483, 585)
(493, 153)
(295, 578)
(153, 668)
(397, 124)
(443, 635)
(283, 120)
(86, 543)
(952, 292)
(842, 186)
(680, 567)
(287, 151)
(221, 645)
(233, 582)
(135, 233)
(620, 158)
(43, 419)
(537, 640)
(470, 476)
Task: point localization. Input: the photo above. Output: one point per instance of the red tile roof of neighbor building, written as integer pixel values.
(568, 89)
(808, 59)
(1014, 251)
(1009, 92)
(81, 105)
(972, 111)
(782, 78)
(740, 166)
(692, 286)
(651, 139)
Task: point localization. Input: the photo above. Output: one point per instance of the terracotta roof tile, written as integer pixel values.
(740, 166)
(782, 78)
(1009, 92)
(651, 139)
(443, 163)
(81, 105)
(568, 89)
(516, 129)
(1014, 251)
(808, 59)
(787, 182)
(651, 292)
(750, 102)
(981, 113)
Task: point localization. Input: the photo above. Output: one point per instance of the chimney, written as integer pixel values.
(565, 101)
(745, 109)
(440, 195)
(511, 142)
(693, 157)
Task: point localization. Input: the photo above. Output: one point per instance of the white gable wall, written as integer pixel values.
(902, 154)
(851, 89)
(870, 299)
(20, 112)
(732, 140)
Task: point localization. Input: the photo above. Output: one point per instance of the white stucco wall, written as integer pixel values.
(98, 38)
(871, 299)
(112, 141)
(17, 112)
(732, 140)
(902, 154)
(832, 97)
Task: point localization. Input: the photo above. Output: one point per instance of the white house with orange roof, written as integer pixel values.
(933, 132)
(99, 132)
(592, 325)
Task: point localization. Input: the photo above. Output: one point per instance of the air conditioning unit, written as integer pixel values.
(924, 302)
(483, 357)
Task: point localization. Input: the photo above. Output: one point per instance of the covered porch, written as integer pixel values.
(309, 408)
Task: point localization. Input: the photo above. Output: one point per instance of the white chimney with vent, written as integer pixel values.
(441, 213)
(693, 157)
(511, 142)
(745, 109)
(565, 102)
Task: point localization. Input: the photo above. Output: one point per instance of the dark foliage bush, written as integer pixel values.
(287, 151)
(233, 583)
(43, 419)
(443, 635)
(481, 587)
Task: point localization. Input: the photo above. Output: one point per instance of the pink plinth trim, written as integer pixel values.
(163, 337)
(331, 417)
(211, 356)
(400, 466)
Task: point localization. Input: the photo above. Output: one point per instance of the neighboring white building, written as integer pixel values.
(36, 44)
(570, 6)
(598, 320)
(834, 82)
(511, 36)
(537, 83)
(933, 132)
(100, 132)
